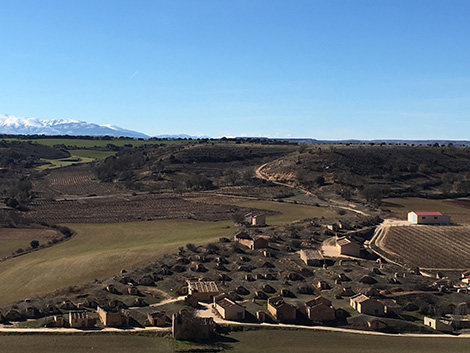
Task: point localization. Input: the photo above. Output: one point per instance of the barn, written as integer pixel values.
(428, 218)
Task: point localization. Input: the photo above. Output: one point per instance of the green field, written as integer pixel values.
(99, 251)
(77, 156)
(272, 341)
(93, 154)
(289, 212)
(401, 207)
(89, 143)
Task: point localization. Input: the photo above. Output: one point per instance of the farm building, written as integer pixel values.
(438, 324)
(312, 257)
(228, 309)
(113, 317)
(204, 291)
(348, 247)
(280, 310)
(320, 309)
(79, 319)
(185, 326)
(391, 306)
(255, 220)
(245, 239)
(428, 218)
(366, 305)
(157, 318)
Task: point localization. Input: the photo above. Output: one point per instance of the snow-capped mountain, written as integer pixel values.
(10, 124)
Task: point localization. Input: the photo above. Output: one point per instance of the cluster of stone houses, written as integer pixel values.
(376, 307)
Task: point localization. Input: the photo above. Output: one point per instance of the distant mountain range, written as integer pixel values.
(10, 124)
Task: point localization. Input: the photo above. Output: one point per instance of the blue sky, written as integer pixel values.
(325, 69)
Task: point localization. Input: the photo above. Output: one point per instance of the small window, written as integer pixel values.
(424, 217)
(435, 217)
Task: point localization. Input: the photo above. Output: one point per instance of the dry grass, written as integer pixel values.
(289, 212)
(11, 239)
(98, 251)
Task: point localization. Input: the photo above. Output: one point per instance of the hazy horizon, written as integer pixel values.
(327, 70)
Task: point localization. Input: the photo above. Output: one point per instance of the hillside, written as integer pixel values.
(369, 173)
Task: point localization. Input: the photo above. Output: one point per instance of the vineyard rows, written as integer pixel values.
(429, 246)
(134, 208)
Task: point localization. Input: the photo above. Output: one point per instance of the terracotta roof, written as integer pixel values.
(428, 213)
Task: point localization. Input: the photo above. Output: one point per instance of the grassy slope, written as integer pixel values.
(97, 251)
(100, 250)
(272, 341)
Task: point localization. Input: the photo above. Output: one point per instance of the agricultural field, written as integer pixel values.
(263, 340)
(73, 180)
(286, 212)
(433, 247)
(91, 143)
(12, 239)
(457, 209)
(128, 208)
(76, 157)
(99, 251)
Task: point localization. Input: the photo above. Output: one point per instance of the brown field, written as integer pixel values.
(444, 247)
(127, 208)
(12, 239)
(74, 180)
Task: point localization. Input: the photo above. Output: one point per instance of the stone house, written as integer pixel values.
(366, 305)
(158, 318)
(280, 310)
(348, 247)
(32, 312)
(79, 319)
(203, 291)
(255, 219)
(312, 257)
(245, 239)
(438, 324)
(320, 309)
(114, 317)
(185, 326)
(428, 218)
(391, 306)
(132, 290)
(228, 309)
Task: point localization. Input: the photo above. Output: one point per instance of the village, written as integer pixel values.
(320, 274)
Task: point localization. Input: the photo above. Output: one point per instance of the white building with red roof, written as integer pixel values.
(428, 218)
